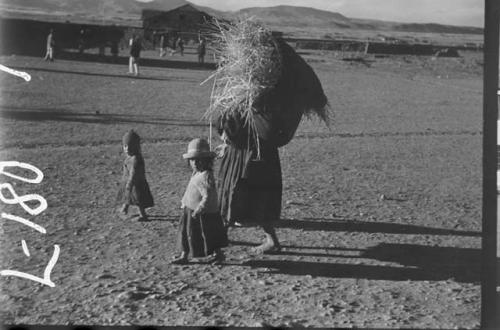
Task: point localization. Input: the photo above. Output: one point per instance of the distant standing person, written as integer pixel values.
(201, 51)
(162, 45)
(153, 41)
(49, 56)
(135, 52)
(178, 43)
(81, 42)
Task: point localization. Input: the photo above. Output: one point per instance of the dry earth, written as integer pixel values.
(381, 214)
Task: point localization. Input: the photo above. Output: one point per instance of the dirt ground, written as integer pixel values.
(381, 212)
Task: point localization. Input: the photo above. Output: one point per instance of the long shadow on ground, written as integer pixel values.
(428, 132)
(368, 227)
(286, 250)
(100, 74)
(42, 114)
(149, 62)
(165, 218)
(419, 263)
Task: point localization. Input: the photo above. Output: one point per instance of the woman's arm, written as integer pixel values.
(231, 125)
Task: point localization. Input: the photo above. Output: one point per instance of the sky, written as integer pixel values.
(452, 12)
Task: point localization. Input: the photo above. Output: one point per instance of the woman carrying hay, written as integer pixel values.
(261, 90)
(250, 183)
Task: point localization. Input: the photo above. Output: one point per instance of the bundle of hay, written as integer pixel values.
(264, 80)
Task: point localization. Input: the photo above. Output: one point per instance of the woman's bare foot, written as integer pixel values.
(217, 258)
(142, 218)
(179, 260)
(142, 215)
(267, 247)
(271, 243)
(123, 212)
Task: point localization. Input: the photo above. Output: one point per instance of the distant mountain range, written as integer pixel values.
(277, 17)
(303, 17)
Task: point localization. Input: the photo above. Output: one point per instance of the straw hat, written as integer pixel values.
(198, 148)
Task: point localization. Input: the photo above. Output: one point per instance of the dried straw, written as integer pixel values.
(251, 73)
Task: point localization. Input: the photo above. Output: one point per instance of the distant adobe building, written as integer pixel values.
(28, 35)
(82, 32)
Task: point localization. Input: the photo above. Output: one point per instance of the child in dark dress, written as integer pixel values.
(134, 188)
(201, 230)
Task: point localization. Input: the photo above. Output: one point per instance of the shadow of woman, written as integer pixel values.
(349, 225)
(418, 263)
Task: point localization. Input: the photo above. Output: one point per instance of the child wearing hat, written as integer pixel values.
(201, 230)
(134, 188)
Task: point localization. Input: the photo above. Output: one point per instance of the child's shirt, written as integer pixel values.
(201, 193)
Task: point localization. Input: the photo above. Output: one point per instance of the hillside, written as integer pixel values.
(90, 8)
(437, 28)
(278, 17)
(297, 16)
(300, 17)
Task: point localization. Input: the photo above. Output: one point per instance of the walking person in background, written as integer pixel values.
(134, 188)
(178, 43)
(172, 41)
(201, 229)
(49, 56)
(135, 52)
(81, 42)
(162, 45)
(201, 51)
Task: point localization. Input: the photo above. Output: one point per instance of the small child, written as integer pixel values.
(201, 230)
(134, 188)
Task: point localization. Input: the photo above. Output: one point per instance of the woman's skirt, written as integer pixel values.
(250, 190)
(200, 236)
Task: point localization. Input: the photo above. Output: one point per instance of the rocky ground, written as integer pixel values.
(381, 212)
